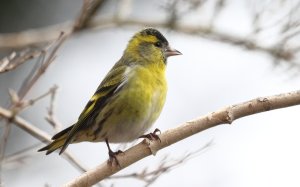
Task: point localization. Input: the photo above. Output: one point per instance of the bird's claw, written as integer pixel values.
(113, 157)
(152, 135)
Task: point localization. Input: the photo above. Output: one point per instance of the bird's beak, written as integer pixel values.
(171, 52)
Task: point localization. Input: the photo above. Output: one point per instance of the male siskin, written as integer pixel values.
(129, 99)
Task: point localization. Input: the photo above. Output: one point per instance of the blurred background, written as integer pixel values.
(233, 51)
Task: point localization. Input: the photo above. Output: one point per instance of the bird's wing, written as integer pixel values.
(112, 83)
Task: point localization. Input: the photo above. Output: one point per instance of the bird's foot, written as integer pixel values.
(113, 157)
(152, 135)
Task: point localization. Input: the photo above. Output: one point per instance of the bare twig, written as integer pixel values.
(45, 63)
(20, 104)
(3, 144)
(14, 60)
(88, 10)
(37, 133)
(17, 106)
(149, 177)
(51, 117)
(17, 98)
(17, 158)
(223, 116)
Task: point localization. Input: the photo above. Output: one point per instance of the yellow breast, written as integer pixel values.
(147, 89)
(138, 104)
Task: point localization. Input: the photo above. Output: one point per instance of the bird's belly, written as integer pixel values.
(131, 114)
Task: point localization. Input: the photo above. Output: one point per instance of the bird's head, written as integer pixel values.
(150, 45)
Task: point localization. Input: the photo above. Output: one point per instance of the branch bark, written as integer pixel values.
(223, 116)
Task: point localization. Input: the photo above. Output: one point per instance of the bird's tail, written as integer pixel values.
(56, 144)
(58, 141)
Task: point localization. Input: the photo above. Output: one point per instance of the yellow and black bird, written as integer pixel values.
(128, 100)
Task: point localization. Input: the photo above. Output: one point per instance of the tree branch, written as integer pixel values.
(40, 36)
(88, 11)
(14, 60)
(49, 33)
(37, 133)
(223, 116)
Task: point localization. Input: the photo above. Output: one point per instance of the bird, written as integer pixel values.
(128, 100)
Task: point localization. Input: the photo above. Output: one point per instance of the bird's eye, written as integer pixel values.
(158, 44)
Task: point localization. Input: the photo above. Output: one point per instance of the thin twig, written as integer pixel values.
(149, 177)
(14, 60)
(50, 118)
(25, 87)
(44, 65)
(37, 133)
(18, 157)
(20, 104)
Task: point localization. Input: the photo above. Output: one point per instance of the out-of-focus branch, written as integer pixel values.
(17, 99)
(33, 36)
(223, 116)
(150, 176)
(202, 31)
(51, 117)
(16, 59)
(88, 10)
(50, 33)
(45, 63)
(37, 133)
(205, 32)
(20, 104)
(16, 159)
(38, 70)
(280, 50)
